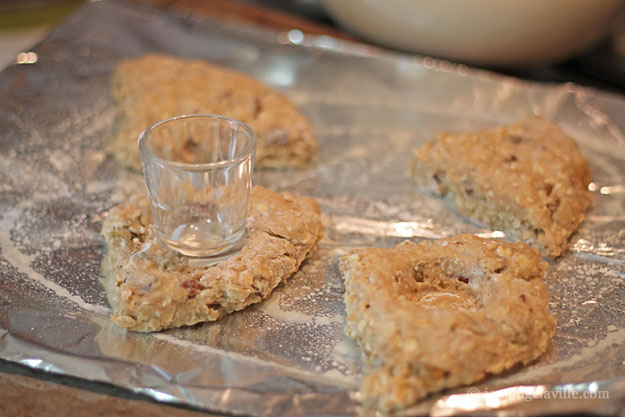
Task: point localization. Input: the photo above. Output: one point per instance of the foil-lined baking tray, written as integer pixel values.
(286, 356)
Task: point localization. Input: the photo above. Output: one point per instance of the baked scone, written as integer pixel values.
(528, 179)
(152, 288)
(156, 87)
(444, 313)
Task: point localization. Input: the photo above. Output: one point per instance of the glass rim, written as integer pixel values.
(248, 150)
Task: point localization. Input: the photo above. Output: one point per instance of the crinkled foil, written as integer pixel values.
(286, 356)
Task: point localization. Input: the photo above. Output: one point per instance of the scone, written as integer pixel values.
(156, 87)
(528, 179)
(444, 313)
(152, 288)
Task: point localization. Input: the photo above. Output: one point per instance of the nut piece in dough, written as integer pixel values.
(528, 179)
(155, 87)
(444, 313)
(153, 288)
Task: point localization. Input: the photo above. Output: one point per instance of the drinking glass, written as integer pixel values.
(198, 171)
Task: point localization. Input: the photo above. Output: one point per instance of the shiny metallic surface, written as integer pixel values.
(286, 356)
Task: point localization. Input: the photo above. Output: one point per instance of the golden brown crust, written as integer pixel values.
(153, 288)
(444, 313)
(527, 178)
(155, 87)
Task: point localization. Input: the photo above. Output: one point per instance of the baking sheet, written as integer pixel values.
(286, 356)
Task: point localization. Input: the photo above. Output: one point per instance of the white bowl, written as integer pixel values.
(484, 32)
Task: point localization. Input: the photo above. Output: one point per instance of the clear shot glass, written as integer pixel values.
(198, 171)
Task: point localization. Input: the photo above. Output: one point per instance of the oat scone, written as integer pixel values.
(155, 87)
(528, 179)
(153, 288)
(444, 313)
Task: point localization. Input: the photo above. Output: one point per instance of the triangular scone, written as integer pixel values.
(152, 288)
(154, 87)
(444, 313)
(528, 179)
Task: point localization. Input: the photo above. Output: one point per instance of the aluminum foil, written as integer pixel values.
(286, 356)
